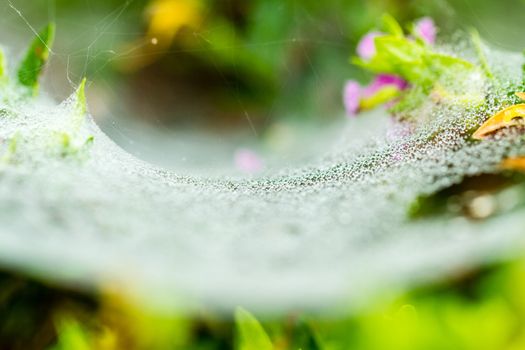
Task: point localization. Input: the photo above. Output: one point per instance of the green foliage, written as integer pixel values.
(384, 95)
(391, 26)
(413, 61)
(444, 76)
(251, 335)
(36, 58)
(81, 103)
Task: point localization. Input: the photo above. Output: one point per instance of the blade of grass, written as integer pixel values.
(252, 335)
(478, 46)
(36, 58)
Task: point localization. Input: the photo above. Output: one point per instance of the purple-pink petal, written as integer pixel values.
(382, 80)
(351, 97)
(366, 49)
(248, 161)
(426, 30)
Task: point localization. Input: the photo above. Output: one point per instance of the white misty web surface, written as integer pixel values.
(330, 230)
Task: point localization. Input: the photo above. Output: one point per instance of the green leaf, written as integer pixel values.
(448, 62)
(391, 26)
(79, 107)
(392, 51)
(385, 94)
(413, 61)
(251, 335)
(399, 56)
(36, 58)
(404, 56)
(81, 104)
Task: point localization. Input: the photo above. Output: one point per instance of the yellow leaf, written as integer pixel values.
(167, 17)
(507, 117)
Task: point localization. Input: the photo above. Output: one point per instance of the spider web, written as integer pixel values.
(330, 230)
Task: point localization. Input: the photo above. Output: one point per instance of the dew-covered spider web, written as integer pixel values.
(328, 230)
(331, 230)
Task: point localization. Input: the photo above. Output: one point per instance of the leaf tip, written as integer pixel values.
(252, 335)
(36, 57)
(81, 103)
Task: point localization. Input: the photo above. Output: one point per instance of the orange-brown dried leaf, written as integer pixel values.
(509, 116)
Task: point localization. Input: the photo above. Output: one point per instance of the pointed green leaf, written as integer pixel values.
(81, 105)
(383, 95)
(251, 335)
(391, 26)
(36, 58)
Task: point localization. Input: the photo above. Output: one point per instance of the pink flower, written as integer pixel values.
(351, 97)
(248, 161)
(383, 80)
(366, 49)
(353, 93)
(426, 30)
